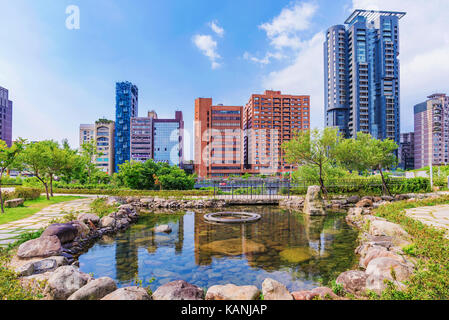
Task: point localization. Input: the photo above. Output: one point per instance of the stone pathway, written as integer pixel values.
(9, 232)
(436, 216)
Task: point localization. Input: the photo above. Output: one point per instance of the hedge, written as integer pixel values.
(132, 193)
(21, 192)
(365, 186)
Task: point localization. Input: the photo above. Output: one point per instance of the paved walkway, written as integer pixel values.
(436, 216)
(9, 232)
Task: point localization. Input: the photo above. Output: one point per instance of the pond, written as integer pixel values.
(300, 251)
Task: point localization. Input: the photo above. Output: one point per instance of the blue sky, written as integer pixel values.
(176, 51)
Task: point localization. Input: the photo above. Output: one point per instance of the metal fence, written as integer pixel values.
(285, 188)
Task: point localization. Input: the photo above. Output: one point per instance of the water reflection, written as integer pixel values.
(290, 247)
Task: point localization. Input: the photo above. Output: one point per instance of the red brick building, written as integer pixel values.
(218, 139)
(270, 119)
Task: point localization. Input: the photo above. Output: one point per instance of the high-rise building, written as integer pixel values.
(87, 133)
(127, 100)
(102, 132)
(362, 75)
(218, 139)
(432, 131)
(5, 117)
(269, 120)
(407, 151)
(158, 139)
(168, 140)
(104, 137)
(142, 137)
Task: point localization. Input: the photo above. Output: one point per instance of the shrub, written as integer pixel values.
(101, 209)
(27, 193)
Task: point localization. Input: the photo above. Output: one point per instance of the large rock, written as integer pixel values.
(386, 228)
(273, 290)
(178, 290)
(364, 203)
(95, 289)
(41, 247)
(82, 228)
(36, 282)
(233, 247)
(128, 293)
(66, 232)
(353, 281)
(107, 222)
(304, 295)
(65, 281)
(314, 204)
(376, 252)
(14, 203)
(386, 266)
(86, 217)
(164, 228)
(41, 266)
(112, 201)
(353, 199)
(325, 293)
(232, 292)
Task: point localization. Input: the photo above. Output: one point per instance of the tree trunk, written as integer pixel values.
(46, 190)
(323, 188)
(384, 184)
(51, 185)
(45, 185)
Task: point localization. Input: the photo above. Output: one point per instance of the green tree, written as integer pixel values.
(313, 148)
(176, 179)
(59, 161)
(89, 153)
(35, 158)
(8, 159)
(368, 153)
(136, 175)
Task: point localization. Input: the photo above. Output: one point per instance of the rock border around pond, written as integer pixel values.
(52, 258)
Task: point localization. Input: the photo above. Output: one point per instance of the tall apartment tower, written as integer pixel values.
(127, 100)
(269, 120)
(159, 139)
(432, 131)
(218, 139)
(142, 137)
(87, 133)
(361, 75)
(104, 137)
(5, 117)
(407, 151)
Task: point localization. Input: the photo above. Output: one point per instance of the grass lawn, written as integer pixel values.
(31, 207)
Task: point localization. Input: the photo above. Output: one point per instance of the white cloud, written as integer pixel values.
(216, 28)
(424, 49)
(304, 76)
(264, 60)
(283, 29)
(208, 47)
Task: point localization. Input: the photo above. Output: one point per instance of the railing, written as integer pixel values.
(272, 188)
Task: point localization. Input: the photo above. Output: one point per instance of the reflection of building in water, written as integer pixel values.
(128, 244)
(127, 264)
(277, 240)
(257, 241)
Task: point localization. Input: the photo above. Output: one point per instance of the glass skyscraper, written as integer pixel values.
(126, 108)
(5, 117)
(361, 68)
(168, 140)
